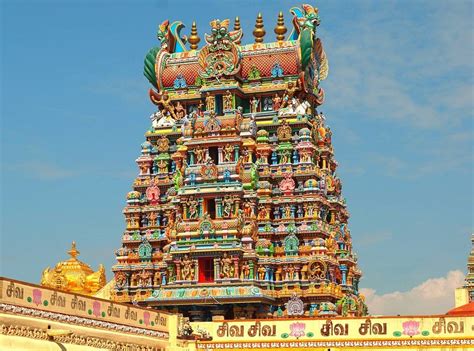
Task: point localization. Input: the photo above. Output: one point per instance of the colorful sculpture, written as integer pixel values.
(237, 205)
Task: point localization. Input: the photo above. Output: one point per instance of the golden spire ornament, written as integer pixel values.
(280, 28)
(194, 37)
(259, 31)
(237, 27)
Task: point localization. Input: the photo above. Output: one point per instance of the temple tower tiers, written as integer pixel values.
(469, 283)
(237, 210)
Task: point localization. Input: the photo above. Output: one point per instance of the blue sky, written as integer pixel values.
(399, 99)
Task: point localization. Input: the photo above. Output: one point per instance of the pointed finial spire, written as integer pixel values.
(280, 28)
(73, 252)
(237, 27)
(194, 37)
(259, 31)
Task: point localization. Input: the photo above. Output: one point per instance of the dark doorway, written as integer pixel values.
(219, 108)
(206, 270)
(214, 154)
(211, 208)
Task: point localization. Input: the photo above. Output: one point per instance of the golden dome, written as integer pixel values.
(74, 276)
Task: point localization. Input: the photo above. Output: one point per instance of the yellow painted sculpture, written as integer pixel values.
(74, 276)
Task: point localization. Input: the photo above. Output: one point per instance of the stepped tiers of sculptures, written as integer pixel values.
(237, 210)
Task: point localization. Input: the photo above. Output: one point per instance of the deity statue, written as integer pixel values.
(287, 211)
(245, 270)
(228, 152)
(261, 272)
(210, 102)
(144, 278)
(248, 210)
(166, 105)
(193, 208)
(201, 154)
(227, 101)
(227, 266)
(180, 111)
(187, 268)
(227, 206)
(254, 104)
(276, 102)
(284, 131)
(291, 89)
(262, 212)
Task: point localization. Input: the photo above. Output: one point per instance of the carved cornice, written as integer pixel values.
(63, 318)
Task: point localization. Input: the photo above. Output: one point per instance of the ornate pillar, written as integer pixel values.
(178, 269)
(343, 269)
(252, 269)
(236, 267)
(200, 207)
(219, 207)
(216, 269)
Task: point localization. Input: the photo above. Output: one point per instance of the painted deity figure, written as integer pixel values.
(210, 102)
(254, 104)
(200, 153)
(245, 270)
(144, 278)
(261, 272)
(166, 105)
(180, 111)
(291, 90)
(193, 208)
(228, 152)
(187, 268)
(227, 101)
(276, 102)
(227, 208)
(262, 212)
(227, 266)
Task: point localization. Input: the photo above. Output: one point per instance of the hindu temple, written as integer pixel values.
(237, 210)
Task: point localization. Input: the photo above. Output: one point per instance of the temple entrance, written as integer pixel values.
(206, 270)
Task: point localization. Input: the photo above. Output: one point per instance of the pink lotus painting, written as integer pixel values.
(411, 328)
(37, 296)
(96, 308)
(297, 329)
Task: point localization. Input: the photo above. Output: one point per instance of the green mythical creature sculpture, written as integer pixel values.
(178, 179)
(171, 41)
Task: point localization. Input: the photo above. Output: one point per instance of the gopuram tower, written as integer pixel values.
(237, 210)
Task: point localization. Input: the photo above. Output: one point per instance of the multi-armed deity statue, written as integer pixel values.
(237, 209)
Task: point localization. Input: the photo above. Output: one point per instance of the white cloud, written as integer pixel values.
(434, 296)
(42, 170)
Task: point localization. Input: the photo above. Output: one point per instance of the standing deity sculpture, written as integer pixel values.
(245, 270)
(193, 208)
(201, 154)
(291, 90)
(276, 102)
(227, 101)
(227, 266)
(227, 206)
(228, 152)
(187, 268)
(254, 105)
(210, 102)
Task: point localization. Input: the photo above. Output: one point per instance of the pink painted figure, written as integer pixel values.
(411, 328)
(37, 296)
(297, 329)
(96, 308)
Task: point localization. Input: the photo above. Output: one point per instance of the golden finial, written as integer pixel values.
(280, 28)
(73, 251)
(194, 37)
(237, 27)
(259, 31)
